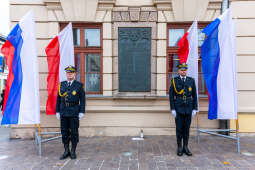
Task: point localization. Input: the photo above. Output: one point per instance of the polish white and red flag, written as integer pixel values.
(188, 52)
(60, 54)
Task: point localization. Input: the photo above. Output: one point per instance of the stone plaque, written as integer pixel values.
(134, 61)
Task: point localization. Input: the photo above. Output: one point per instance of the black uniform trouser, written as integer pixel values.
(182, 122)
(69, 129)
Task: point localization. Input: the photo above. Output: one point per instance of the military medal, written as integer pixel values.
(190, 89)
(74, 93)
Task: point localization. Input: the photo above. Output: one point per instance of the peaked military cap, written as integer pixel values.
(70, 69)
(182, 66)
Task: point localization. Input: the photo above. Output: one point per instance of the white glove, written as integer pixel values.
(58, 115)
(194, 112)
(81, 115)
(174, 113)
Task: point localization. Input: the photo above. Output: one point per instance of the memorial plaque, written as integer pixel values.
(134, 60)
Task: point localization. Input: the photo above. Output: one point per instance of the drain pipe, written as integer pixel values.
(224, 124)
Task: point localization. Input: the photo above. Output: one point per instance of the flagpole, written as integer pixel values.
(39, 129)
(237, 134)
(237, 125)
(198, 128)
(38, 139)
(224, 124)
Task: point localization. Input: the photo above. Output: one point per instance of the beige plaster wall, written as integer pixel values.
(243, 12)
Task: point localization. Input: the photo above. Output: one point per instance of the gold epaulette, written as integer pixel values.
(178, 92)
(61, 95)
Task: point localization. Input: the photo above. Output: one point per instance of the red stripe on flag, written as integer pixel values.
(8, 52)
(183, 50)
(53, 58)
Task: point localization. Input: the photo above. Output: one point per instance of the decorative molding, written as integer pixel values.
(149, 8)
(116, 16)
(214, 5)
(163, 4)
(120, 8)
(125, 15)
(144, 16)
(106, 4)
(134, 15)
(53, 4)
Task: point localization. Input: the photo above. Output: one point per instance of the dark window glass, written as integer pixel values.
(92, 78)
(92, 82)
(78, 66)
(76, 37)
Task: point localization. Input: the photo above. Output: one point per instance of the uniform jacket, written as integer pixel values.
(178, 101)
(70, 100)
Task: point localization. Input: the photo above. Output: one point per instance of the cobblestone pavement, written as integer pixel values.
(121, 153)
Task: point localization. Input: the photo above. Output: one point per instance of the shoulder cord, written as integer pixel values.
(178, 92)
(61, 95)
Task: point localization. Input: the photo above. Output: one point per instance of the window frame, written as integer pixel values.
(83, 50)
(170, 51)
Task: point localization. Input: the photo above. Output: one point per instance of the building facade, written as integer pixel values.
(126, 53)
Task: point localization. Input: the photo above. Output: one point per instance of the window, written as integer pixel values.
(175, 32)
(92, 72)
(92, 37)
(175, 35)
(88, 55)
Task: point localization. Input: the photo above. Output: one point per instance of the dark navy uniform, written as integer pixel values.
(186, 102)
(70, 102)
(69, 106)
(183, 99)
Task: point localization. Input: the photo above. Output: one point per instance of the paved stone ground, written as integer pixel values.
(121, 153)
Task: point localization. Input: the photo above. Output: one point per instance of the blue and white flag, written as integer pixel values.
(218, 54)
(22, 100)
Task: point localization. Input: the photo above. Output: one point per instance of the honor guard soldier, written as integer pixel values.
(183, 103)
(70, 108)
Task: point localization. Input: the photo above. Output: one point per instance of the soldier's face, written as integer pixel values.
(182, 72)
(70, 76)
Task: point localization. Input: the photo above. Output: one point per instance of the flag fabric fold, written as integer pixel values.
(60, 54)
(219, 67)
(188, 52)
(22, 100)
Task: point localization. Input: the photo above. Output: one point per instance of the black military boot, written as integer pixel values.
(73, 154)
(66, 153)
(179, 149)
(186, 149)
